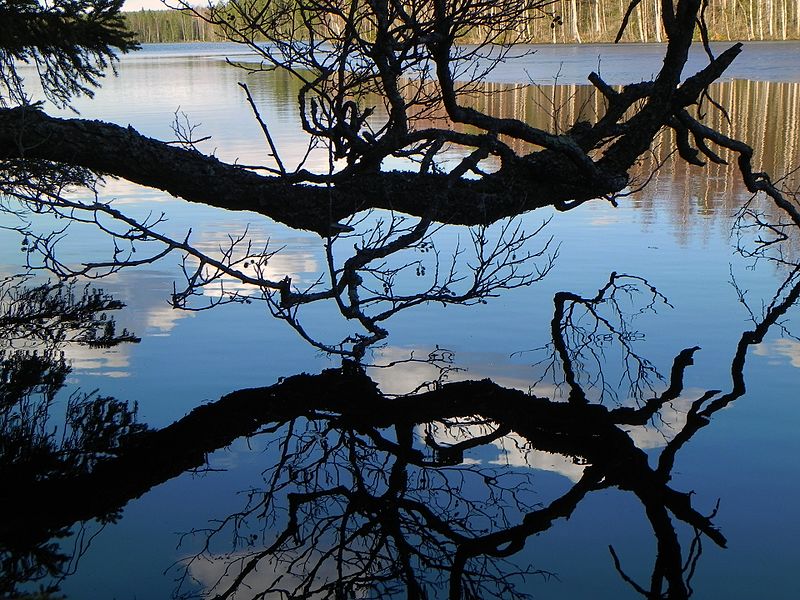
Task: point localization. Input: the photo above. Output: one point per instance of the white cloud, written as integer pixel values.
(781, 347)
(300, 265)
(162, 318)
(405, 377)
(215, 573)
(515, 454)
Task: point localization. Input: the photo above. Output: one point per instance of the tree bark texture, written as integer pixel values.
(545, 179)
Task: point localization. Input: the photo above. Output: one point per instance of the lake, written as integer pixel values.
(622, 292)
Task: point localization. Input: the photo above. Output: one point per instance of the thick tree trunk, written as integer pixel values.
(546, 178)
(566, 174)
(154, 457)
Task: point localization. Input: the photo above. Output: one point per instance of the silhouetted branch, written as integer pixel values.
(38, 325)
(582, 328)
(343, 55)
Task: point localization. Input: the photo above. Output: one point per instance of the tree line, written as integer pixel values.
(169, 26)
(562, 21)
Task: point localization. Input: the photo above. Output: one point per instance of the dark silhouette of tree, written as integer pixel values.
(71, 43)
(376, 494)
(409, 54)
(37, 324)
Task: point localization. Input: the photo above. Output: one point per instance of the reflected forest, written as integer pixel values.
(438, 333)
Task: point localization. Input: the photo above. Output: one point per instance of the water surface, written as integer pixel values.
(677, 234)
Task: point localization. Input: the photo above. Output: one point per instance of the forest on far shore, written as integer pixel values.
(565, 21)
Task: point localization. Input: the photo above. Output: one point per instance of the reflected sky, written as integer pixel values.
(687, 205)
(676, 233)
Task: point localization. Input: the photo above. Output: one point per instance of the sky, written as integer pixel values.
(146, 4)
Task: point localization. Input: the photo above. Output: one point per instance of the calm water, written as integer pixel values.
(676, 233)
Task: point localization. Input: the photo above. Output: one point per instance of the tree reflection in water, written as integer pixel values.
(38, 324)
(375, 495)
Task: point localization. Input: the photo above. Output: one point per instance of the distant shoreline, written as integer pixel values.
(566, 22)
(760, 61)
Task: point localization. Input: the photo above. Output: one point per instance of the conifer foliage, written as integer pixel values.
(71, 43)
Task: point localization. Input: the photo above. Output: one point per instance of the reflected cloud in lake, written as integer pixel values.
(435, 472)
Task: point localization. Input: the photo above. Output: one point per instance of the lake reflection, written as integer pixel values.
(432, 492)
(496, 449)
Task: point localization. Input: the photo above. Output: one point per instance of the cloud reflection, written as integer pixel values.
(411, 372)
(782, 347)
